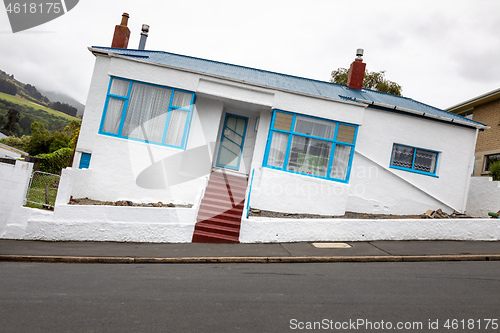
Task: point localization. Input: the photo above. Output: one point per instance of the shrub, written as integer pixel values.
(56, 161)
(495, 170)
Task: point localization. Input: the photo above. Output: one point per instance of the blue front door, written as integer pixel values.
(232, 141)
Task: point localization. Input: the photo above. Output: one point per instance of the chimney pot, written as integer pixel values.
(125, 17)
(357, 72)
(122, 34)
(144, 36)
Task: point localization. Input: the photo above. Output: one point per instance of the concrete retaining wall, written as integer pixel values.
(268, 230)
(484, 196)
(14, 181)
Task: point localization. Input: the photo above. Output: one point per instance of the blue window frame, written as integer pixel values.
(418, 160)
(85, 161)
(146, 112)
(310, 146)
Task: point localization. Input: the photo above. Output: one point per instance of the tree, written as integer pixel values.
(8, 87)
(18, 143)
(40, 140)
(63, 107)
(12, 119)
(373, 80)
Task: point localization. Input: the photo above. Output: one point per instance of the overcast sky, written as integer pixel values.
(442, 52)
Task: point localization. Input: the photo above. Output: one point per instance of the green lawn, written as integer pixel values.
(17, 100)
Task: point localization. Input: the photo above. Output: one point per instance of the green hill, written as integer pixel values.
(31, 105)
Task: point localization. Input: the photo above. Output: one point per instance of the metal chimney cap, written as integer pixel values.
(359, 54)
(145, 28)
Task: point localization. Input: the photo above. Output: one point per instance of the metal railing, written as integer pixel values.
(43, 189)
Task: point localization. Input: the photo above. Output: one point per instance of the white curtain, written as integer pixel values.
(340, 163)
(119, 87)
(402, 156)
(182, 99)
(425, 161)
(113, 116)
(146, 113)
(277, 151)
(176, 127)
(314, 127)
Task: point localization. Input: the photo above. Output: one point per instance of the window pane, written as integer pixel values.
(490, 159)
(315, 127)
(346, 133)
(147, 113)
(340, 162)
(176, 126)
(182, 99)
(119, 87)
(283, 121)
(113, 116)
(402, 156)
(277, 151)
(425, 161)
(309, 156)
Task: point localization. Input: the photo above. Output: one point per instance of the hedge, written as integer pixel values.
(495, 170)
(56, 161)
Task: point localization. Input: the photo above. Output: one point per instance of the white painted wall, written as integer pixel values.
(14, 182)
(91, 223)
(286, 192)
(484, 196)
(266, 230)
(379, 189)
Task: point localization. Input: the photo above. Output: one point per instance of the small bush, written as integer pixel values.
(56, 161)
(495, 170)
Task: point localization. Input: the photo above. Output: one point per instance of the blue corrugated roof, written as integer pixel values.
(288, 82)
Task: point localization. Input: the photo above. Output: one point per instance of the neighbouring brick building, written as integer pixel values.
(484, 109)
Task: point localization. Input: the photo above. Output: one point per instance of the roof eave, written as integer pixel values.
(423, 114)
(471, 103)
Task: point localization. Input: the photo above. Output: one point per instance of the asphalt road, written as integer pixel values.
(360, 297)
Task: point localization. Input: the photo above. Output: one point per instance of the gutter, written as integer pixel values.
(422, 114)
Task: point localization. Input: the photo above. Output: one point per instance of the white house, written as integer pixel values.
(165, 127)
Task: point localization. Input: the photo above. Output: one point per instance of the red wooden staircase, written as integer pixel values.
(219, 216)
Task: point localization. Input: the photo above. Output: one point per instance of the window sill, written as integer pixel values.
(109, 135)
(414, 171)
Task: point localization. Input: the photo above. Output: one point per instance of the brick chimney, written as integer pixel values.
(122, 34)
(357, 72)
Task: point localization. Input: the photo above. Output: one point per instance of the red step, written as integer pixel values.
(227, 215)
(228, 178)
(221, 221)
(219, 215)
(208, 237)
(223, 203)
(213, 228)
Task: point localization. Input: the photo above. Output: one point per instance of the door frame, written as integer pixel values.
(242, 142)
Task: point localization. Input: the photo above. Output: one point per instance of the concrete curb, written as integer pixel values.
(237, 260)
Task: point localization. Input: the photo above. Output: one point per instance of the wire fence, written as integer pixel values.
(42, 190)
